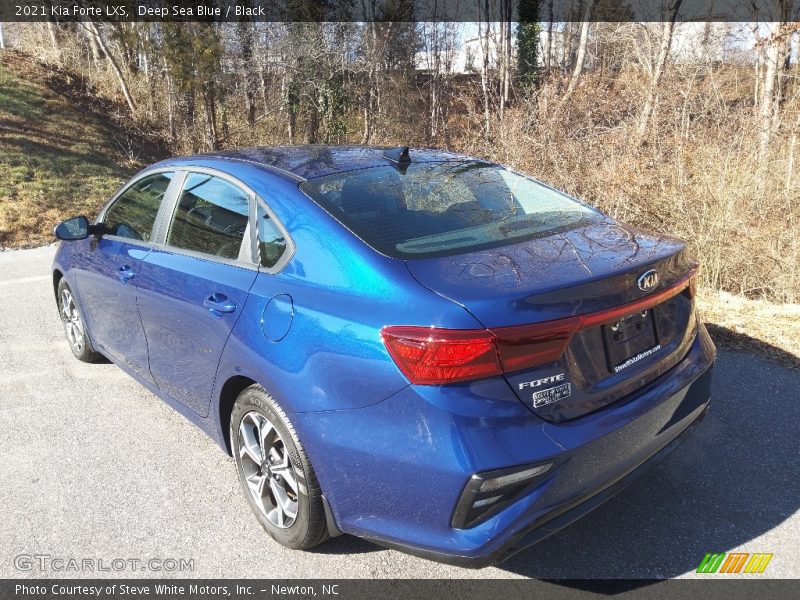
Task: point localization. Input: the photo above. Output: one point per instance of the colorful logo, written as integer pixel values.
(736, 562)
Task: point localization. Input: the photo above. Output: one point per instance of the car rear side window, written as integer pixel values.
(441, 208)
(133, 214)
(271, 241)
(211, 217)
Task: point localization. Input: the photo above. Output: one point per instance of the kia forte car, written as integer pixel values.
(416, 347)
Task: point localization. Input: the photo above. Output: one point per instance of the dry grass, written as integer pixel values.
(61, 151)
(758, 326)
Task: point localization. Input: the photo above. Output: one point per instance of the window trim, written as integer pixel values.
(149, 243)
(170, 205)
(288, 252)
(167, 210)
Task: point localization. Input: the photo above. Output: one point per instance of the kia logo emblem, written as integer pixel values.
(648, 280)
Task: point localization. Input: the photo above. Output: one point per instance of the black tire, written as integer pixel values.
(78, 339)
(309, 527)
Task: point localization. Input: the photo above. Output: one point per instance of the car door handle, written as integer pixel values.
(125, 274)
(218, 304)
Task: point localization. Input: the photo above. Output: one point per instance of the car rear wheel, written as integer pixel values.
(275, 473)
(74, 326)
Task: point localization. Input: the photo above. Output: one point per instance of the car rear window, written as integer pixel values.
(437, 209)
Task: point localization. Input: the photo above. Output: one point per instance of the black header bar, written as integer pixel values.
(397, 10)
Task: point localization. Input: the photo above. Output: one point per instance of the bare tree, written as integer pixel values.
(505, 54)
(767, 100)
(53, 32)
(657, 69)
(2, 39)
(548, 51)
(90, 25)
(245, 33)
(484, 33)
(581, 56)
(438, 41)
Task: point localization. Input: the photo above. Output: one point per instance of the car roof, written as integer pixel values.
(316, 160)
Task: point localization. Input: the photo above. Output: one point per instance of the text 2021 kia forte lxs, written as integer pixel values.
(420, 348)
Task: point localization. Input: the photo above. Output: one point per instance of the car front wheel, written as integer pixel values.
(275, 473)
(74, 325)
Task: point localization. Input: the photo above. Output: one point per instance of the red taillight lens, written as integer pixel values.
(428, 356)
(530, 345)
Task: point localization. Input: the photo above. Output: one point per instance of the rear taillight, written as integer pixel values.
(433, 356)
(430, 356)
(427, 355)
(530, 345)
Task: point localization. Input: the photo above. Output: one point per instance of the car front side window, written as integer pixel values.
(211, 217)
(133, 213)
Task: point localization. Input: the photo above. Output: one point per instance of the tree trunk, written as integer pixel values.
(658, 69)
(51, 29)
(581, 56)
(434, 82)
(509, 8)
(774, 60)
(312, 133)
(501, 59)
(485, 72)
(771, 59)
(2, 39)
(548, 55)
(566, 42)
(790, 174)
(369, 95)
(245, 31)
(210, 106)
(171, 107)
(114, 66)
(782, 74)
(757, 86)
(434, 108)
(291, 110)
(97, 55)
(291, 126)
(188, 121)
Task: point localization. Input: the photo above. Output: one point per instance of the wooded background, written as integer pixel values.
(700, 144)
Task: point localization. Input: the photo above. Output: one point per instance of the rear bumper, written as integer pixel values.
(551, 523)
(400, 466)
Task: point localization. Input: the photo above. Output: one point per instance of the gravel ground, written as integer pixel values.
(92, 465)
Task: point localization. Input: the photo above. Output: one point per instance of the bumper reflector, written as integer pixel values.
(513, 478)
(489, 492)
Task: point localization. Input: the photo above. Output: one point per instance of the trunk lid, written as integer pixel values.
(582, 271)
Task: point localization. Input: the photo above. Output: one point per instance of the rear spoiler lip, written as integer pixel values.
(645, 303)
(568, 326)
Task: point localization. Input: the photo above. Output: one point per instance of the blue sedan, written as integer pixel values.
(420, 348)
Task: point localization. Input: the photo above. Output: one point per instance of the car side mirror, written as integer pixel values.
(76, 228)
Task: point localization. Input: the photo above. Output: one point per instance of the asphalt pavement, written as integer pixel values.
(92, 466)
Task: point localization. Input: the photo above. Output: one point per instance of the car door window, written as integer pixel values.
(211, 217)
(133, 214)
(271, 241)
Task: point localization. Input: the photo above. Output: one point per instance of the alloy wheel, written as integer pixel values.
(268, 470)
(73, 325)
